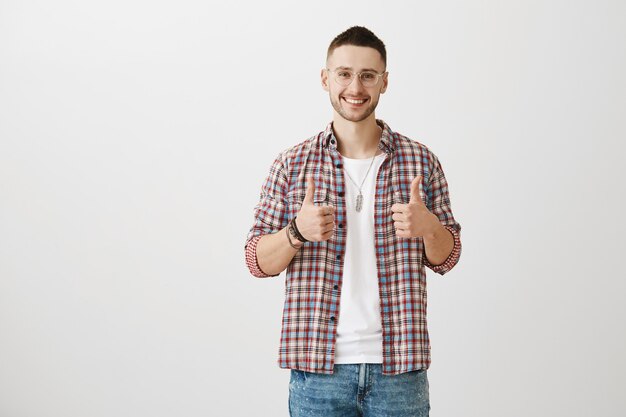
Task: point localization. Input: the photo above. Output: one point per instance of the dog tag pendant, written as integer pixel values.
(359, 202)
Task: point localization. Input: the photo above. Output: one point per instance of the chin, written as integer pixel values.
(357, 117)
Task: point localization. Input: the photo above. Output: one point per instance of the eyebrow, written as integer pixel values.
(352, 69)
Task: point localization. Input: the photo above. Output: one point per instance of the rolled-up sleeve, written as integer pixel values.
(270, 214)
(439, 204)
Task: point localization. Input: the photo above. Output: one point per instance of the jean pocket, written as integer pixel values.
(297, 379)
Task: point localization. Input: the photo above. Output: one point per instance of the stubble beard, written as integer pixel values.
(343, 113)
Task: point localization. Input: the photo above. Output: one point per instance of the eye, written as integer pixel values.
(368, 76)
(344, 74)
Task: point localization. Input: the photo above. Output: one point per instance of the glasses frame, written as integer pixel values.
(358, 75)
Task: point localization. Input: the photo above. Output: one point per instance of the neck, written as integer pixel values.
(357, 140)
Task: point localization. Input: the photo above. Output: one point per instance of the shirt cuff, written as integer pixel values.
(452, 259)
(251, 260)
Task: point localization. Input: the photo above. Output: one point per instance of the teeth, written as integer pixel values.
(351, 101)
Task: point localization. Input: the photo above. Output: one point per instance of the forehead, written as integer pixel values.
(357, 58)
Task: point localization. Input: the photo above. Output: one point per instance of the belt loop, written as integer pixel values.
(362, 369)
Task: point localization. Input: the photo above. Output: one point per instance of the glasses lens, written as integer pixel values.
(369, 79)
(344, 77)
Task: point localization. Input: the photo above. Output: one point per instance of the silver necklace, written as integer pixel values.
(359, 198)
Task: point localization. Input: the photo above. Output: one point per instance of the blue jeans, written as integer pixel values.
(358, 390)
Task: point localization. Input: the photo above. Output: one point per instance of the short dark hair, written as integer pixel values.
(358, 36)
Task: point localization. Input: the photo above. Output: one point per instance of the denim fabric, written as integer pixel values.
(358, 390)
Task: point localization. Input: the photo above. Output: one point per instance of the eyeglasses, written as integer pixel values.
(345, 77)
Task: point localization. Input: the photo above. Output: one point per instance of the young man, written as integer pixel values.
(354, 214)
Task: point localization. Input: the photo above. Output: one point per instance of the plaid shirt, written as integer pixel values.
(314, 276)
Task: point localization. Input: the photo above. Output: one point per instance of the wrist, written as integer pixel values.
(435, 232)
(293, 228)
(294, 242)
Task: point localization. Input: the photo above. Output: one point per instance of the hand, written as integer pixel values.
(315, 223)
(414, 219)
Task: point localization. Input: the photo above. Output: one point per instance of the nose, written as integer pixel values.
(355, 86)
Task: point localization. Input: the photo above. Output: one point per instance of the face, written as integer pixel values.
(356, 59)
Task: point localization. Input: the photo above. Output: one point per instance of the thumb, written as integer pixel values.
(310, 191)
(416, 190)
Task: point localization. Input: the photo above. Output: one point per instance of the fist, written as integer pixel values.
(315, 223)
(414, 219)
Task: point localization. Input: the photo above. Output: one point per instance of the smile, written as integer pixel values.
(354, 101)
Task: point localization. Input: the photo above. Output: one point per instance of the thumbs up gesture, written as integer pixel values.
(315, 223)
(414, 219)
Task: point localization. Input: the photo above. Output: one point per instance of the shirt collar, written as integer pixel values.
(386, 140)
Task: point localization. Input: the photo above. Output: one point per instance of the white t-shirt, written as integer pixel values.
(359, 327)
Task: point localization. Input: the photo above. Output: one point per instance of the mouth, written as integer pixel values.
(355, 102)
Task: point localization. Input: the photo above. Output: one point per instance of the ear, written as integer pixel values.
(324, 79)
(385, 82)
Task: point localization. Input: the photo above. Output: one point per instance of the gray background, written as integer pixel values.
(134, 138)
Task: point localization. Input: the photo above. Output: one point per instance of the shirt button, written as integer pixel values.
(335, 287)
(341, 225)
(332, 318)
(341, 193)
(339, 165)
(332, 141)
(338, 256)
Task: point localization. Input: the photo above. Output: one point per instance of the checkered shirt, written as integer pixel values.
(314, 276)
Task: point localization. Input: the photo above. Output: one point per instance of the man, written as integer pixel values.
(354, 328)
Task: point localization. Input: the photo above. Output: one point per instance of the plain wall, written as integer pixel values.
(135, 136)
